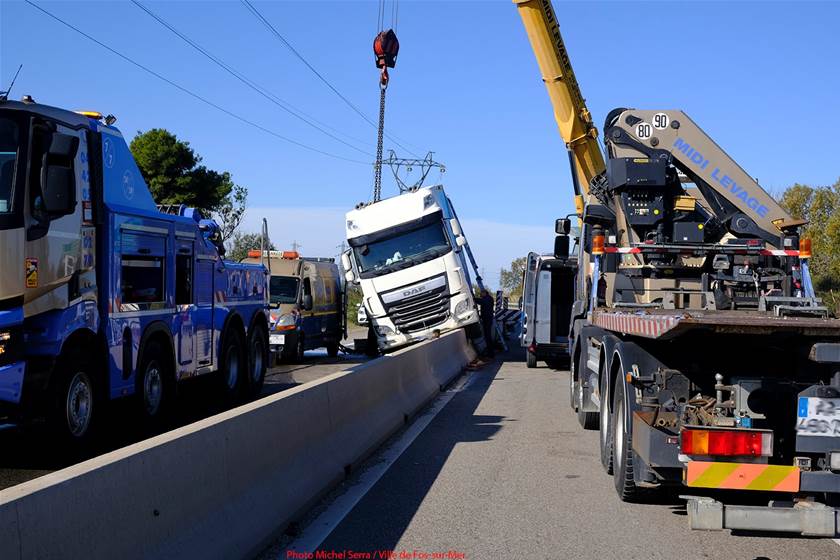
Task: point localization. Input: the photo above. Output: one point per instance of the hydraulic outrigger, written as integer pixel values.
(700, 351)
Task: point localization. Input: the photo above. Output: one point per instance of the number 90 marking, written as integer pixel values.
(660, 121)
(644, 130)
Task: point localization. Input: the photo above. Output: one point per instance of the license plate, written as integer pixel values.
(818, 417)
(275, 339)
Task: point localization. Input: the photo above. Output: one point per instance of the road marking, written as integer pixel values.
(320, 528)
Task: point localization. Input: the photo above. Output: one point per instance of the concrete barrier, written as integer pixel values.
(225, 486)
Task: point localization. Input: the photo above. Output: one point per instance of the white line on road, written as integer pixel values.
(319, 529)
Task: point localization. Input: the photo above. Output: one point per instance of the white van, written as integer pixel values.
(547, 298)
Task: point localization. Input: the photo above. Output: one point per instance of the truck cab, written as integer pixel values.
(307, 304)
(407, 253)
(102, 294)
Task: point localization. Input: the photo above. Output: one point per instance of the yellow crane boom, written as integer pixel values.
(570, 112)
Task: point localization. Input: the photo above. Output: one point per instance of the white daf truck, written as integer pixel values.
(409, 255)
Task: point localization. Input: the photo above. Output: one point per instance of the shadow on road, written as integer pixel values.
(379, 520)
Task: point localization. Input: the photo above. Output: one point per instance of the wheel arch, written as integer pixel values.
(158, 331)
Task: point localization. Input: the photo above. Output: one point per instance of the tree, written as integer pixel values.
(174, 174)
(821, 207)
(241, 243)
(230, 213)
(510, 281)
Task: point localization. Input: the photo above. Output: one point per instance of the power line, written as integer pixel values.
(294, 51)
(189, 92)
(286, 106)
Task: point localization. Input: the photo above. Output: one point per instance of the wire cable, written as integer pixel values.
(191, 93)
(294, 51)
(261, 90)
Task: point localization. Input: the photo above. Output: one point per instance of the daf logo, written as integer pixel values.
(413, 291)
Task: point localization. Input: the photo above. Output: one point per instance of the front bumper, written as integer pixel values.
(278, 340)
(396, 339)
(11, 382)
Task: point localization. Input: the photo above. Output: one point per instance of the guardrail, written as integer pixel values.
(225, 486)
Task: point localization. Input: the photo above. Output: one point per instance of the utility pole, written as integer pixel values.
(341, 248)
(296, 246)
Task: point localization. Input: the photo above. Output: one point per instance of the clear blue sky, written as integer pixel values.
(761, 77)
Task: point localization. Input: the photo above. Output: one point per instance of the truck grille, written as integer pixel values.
(420, 312)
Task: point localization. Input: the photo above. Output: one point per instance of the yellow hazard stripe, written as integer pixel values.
(742, 476)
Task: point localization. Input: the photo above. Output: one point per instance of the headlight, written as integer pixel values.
(383, 330)
(462, 307)
(285, 322)
(5, 336)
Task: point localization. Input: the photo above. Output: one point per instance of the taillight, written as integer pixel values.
(749, 443)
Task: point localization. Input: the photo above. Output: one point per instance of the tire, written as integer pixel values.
(587, 420)
(232, 366)
(332, 349)
(257, 362)
(154, 385)
(625, 484)
(572, 387)
(74, 412)
(531, 361)
(300, 349)
(605, 433)
(372, 347)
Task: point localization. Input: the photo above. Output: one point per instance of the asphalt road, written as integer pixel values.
(29, 452)
(505, 471)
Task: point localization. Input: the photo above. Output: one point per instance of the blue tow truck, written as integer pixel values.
(102, 294)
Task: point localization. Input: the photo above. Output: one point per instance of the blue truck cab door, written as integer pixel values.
(203, 314)
(185, 309)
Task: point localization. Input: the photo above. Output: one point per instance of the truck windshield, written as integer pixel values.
(9, 142)
(402, 250)
(283, 289)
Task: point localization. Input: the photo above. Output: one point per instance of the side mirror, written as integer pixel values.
(307, 302)
(460, 241)
(456, 227)
(562, 226)
(347, 265)
(58, 179)
(561, 247)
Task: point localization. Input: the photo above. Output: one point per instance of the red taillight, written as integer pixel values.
(749, 443)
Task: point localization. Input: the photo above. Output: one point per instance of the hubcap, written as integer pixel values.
(152, 388)
(79, 404)
(257, 361)
(232, 369)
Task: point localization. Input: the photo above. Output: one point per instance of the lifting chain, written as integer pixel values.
(385, 49)
(377, 178)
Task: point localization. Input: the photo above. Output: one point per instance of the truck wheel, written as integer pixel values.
(332, 349)
(531, 361)
(75, 404)
(232, 367)
(572, 387)
(299, 349)
(372, 346)
(605, 433)
(625, 484)
(257, 361)
(153, 385)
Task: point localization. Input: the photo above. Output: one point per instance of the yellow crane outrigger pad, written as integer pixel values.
(741, 476)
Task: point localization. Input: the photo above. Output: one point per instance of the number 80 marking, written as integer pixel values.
(644, 131)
